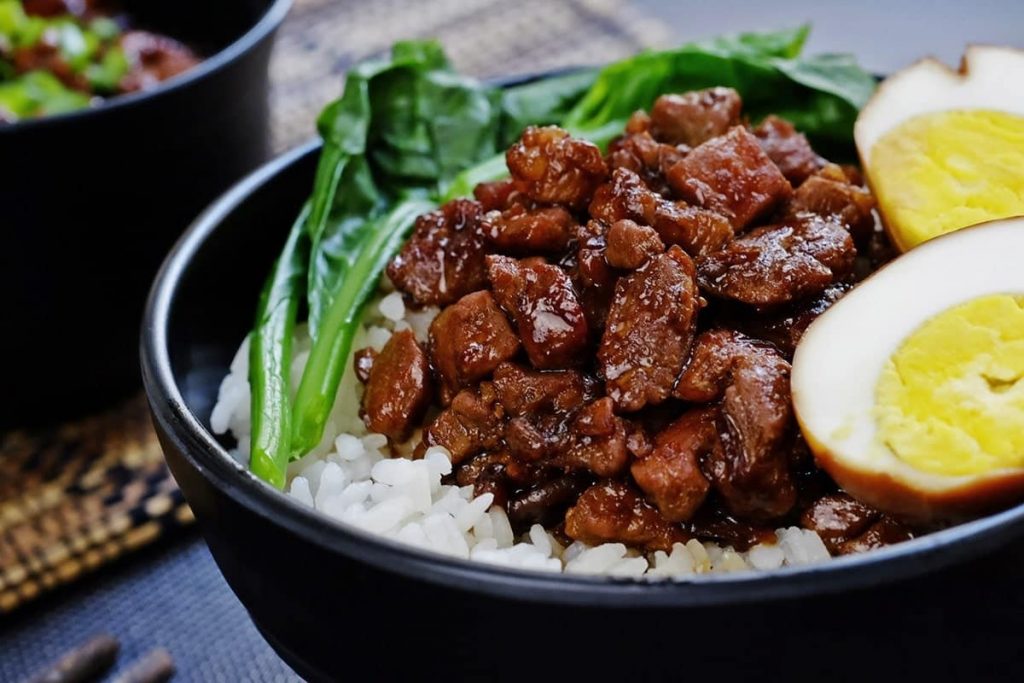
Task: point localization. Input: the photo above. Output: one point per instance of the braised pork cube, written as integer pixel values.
(830, 194)
(495, 196)
(695, 117)
(495, 472)
(751, 470)
(778, 264)
(593, 278)
(467, 341)
(838, 518)
(398, 389)
(732, 176)
(640, 153)
(472, 424)
(788, 149)
(540, 407)
(886, 531)
(783, 327)
(444, 259)
(522, 230)
(522, 391)
(600, 441)
(541, 300)
(546, 502)
(550, 167)
(629, 245)
(696, 230)
(649, 331)
(716, 354)
(613, 512)
(670, 475)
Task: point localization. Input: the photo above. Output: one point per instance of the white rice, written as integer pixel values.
(351, 477)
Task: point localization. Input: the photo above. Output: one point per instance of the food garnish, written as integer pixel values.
(910, 389)
(944, 149)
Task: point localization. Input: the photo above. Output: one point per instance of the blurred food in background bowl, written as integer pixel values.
(93, 198)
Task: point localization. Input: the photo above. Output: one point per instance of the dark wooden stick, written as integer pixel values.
(85, 663)
(155, 666)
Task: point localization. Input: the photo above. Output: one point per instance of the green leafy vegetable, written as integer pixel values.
(408, 133)
(38, 93)
(270, 354)
(90, 49)
(819, 95)
(400, 132)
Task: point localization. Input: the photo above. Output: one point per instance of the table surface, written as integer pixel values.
(174, 596)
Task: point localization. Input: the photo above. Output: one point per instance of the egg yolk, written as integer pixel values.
(951, 399)
(939, 172)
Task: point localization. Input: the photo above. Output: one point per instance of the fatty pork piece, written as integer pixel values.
(782, 327)
(540, 407)
(398, 387)
(497, 195)
(472, 424)
(750, 466)
(790, 150)
(629, 245)
(467, 341)
(848, 526)
(638, 151)
(602, 442)
(522, 229)
(732, 176)
(550, 167)
(546, 502)
(649, 331)
(696, 230)
(541, 300)
(832, 194)
(777, 264)
(695, 117)
(498, 473)
(591, 274)
(614, 512)
(671, 473)
(444, 259)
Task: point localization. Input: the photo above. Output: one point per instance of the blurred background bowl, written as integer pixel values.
(91, 201)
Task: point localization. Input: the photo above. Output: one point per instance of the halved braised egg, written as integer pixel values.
(910, 389)
(943, 149)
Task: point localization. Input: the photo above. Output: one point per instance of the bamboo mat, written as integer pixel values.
(77, 497)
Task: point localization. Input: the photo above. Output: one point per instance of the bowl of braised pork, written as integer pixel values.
(552, 361)
(119, 122)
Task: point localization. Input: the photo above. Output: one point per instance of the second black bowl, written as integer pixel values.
(336, 601)
(92, 200)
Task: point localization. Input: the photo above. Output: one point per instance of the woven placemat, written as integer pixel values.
(77, 497)
(483, 38)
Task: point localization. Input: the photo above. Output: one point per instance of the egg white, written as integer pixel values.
(839, 359)
(990, 78)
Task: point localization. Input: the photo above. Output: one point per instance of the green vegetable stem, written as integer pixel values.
(270, 357)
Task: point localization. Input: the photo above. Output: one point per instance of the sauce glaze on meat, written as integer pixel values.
(612, 355)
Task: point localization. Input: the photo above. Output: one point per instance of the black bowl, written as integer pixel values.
(333, 599)
(92, 200)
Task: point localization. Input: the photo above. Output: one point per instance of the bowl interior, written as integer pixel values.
(202, 306)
